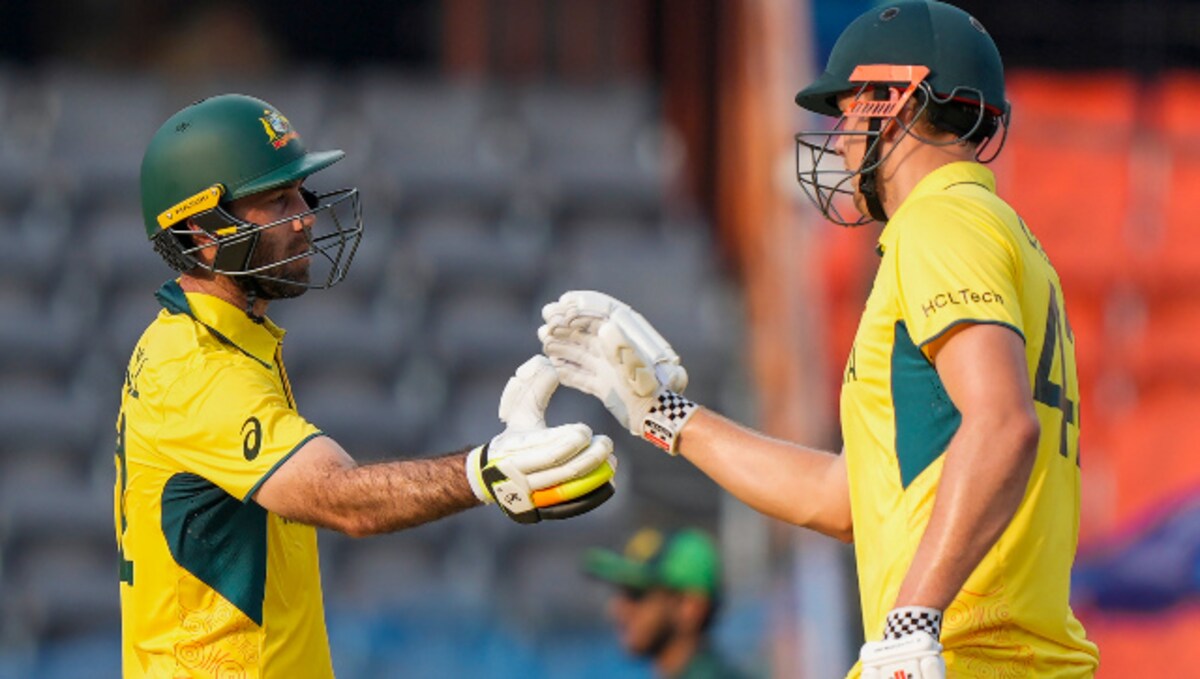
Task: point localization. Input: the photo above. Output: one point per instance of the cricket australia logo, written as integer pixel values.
(279, 130)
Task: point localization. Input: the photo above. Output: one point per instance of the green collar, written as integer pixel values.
(226, 322)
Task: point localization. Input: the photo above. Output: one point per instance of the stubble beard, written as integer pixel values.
(282, 281)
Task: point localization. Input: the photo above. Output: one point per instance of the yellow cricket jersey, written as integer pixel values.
(212, 584)
(956, 253)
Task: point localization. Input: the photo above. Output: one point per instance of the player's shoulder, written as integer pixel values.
(954, 219)
(180, 354)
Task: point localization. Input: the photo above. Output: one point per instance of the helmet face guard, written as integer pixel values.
(332, 226)
(882, 91)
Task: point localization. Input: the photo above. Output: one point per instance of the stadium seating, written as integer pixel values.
(1066, 170)
(1170, 261)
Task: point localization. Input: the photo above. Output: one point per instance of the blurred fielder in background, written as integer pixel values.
(220, 481)
(960, 480)
(669, 590)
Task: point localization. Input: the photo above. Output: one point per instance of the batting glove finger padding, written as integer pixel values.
(600, 346)
(533, 472)
(592, 457)
(531, 451)
(580, 312)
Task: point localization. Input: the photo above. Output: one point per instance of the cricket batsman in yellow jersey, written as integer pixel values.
(221, 483)
(959, 482)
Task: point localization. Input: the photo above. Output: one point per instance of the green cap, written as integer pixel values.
(685, 560)
(962, 58)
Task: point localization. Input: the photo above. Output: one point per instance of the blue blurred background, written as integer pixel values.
(508, 150)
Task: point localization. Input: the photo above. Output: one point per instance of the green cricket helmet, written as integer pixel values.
(929, 51)
(226, 147)
(961, 57)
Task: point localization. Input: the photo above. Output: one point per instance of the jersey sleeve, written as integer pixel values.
(954, 270)
(232, 426)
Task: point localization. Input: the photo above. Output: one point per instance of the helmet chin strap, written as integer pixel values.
(254, 291)
(868, 184)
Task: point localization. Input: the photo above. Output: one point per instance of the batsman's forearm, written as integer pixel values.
(803, 486)
(986, 470)
(390, 496)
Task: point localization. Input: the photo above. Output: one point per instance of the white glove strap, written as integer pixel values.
(907, 620)
(665, 419)
(475, 479)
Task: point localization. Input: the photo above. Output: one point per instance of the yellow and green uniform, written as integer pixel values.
(212, 584)
(956, 253)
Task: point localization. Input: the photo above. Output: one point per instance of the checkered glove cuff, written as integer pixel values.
(907, 620)
(666, 418)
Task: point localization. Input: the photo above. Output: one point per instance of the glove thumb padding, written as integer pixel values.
(527, 393)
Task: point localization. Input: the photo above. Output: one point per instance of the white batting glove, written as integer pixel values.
(602, 347)
(910, 648)
(533, 472)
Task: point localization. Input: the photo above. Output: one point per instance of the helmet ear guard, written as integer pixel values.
(964, 114)
(967, 121)
(234, 240)
(204, 212)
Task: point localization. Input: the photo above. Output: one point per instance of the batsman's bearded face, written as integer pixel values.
(288, 241)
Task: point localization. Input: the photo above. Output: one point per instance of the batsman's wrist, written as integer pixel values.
(906, 620)
(663, 422)
(475, 461)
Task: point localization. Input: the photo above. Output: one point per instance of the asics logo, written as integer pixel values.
(251, 438)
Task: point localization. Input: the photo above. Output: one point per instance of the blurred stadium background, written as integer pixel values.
(508, 150)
